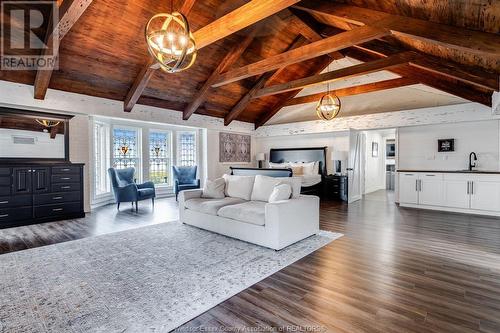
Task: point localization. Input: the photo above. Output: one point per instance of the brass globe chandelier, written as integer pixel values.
(329, 105)
(170, 41)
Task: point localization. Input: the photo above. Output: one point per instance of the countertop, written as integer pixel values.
(453, 171)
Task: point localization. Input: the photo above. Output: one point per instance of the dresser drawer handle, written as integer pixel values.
(65, 178)
(56, 209)
(65, 186)
(4, 202)
(4, 215)
(57, 198)
(65, 169)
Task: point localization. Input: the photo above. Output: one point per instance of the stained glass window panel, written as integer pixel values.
(159, 157)
(186, 149)
(125, 148)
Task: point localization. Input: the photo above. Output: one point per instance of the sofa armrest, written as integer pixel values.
(188, 194)
(294, 219)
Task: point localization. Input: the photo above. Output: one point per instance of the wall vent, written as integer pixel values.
(23, 140)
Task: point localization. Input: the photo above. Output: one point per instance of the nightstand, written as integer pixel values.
(335, 187)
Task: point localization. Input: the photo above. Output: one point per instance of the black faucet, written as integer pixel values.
(470, 160)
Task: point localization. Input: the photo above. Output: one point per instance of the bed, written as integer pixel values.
(311, 183)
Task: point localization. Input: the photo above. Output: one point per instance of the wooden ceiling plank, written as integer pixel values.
(231, 57)
(313, 50)
(69, 13)
(238, 19)
(356, 90)
(477, 42)
(343, 73)
(266, 77)
(186, 7)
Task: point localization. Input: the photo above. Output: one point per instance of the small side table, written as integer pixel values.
(335, 187)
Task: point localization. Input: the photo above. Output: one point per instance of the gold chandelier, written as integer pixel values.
(329, 105)
(170, 41)
(47, 123)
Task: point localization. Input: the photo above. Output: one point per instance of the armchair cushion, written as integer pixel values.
(146, 193)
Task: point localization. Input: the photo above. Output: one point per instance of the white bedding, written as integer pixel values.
(310, 180)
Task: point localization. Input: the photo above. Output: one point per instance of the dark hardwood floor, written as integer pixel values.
(395, 270)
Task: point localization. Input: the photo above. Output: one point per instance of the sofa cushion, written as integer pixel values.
(210, 206)
(239, 186)
(263, 187)
(214, 189)
(253, 212)
(281, 192)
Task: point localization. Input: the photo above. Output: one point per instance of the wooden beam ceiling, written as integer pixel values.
(313, 50)
(355, 90)
(266, 77)
(343, 73)
(477, 42)
(231, 57)
(240, 18)
(69, 12)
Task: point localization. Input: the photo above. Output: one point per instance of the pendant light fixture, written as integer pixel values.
(170, 41)
(47, 123)
(329, 104)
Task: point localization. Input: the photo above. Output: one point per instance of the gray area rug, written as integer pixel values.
(150, 279)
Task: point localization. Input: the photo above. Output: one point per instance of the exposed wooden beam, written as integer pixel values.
(343, 73)
(187, 6)
(313, 50)
(477, 42)
(356, 90)
(231, 57)
(440, 82)
(308, 28)
(266, 77)
(238, 19)
(138, 86)
(69, 12)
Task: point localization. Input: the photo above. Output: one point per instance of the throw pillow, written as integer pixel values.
(263, 187)
(281, 192)
(294, 182)
(297, 170)
(278, 165)
(239, 186)
(214, 189)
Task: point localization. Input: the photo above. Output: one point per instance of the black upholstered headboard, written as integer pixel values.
(280, 155)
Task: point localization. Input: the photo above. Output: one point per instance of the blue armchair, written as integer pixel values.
(126, 190)
(185, 179)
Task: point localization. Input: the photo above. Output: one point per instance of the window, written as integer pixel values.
(101, 162)
(159, 157)
(125, 148)
(186, 148)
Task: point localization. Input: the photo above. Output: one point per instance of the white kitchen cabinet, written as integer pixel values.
(459, 192)
(456, 191)
(430, 189)
(485, 193)
(408, 188)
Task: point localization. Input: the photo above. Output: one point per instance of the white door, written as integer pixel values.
(456, 191)
(485, 195)
(408, 188)
(354, 166)
(430, 189)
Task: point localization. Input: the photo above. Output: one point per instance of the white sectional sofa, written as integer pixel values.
(274, 225)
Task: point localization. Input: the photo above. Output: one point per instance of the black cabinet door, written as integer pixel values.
(41, 179)
(22, 181)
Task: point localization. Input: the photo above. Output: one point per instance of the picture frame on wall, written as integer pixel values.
(374, 149)
(234, 148)
(446, 145)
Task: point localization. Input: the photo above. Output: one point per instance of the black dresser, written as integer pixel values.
(335, 187)
(34, 193)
